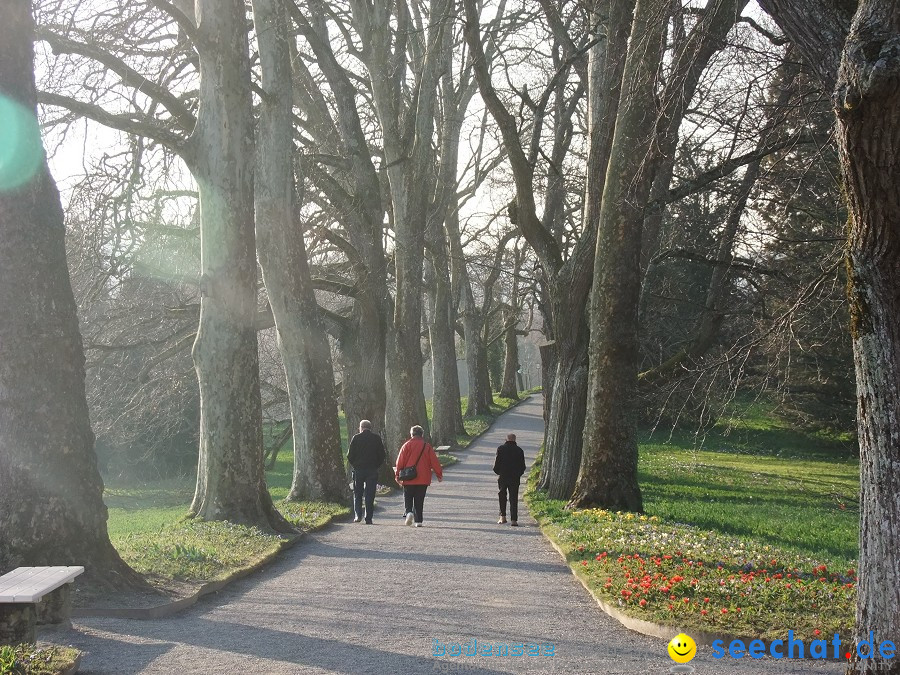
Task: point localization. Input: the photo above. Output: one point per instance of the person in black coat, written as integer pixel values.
(509, 466)
(365, 455)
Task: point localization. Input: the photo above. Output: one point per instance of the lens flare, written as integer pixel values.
(21, 151)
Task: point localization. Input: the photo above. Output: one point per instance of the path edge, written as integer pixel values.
(170, 608)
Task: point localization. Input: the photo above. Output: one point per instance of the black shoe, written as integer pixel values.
(368, 522)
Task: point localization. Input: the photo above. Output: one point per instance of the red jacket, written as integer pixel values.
(428, 462)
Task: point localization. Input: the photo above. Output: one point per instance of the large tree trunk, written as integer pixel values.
(868, 111)
(562, 453)
(362, 355)
(569, 292)
(608, 476)
(510, 388)
(305, 351)
(51, 493)
(361, 349)
(230, 478)
(867, 99)
(476, 364)
(565, 426)
(445, 410)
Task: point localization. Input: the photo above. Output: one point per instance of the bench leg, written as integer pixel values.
(17, 623)
(56, 606)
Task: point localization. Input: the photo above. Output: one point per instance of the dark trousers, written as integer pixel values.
(511, 486)
(364, 485)
(414, 499)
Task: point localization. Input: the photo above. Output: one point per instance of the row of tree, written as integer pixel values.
(650, 150)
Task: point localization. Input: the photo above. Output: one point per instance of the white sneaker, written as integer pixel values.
(419, 525)
(409, 518)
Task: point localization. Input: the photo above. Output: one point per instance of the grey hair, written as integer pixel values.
(417, 431)
(364, 424)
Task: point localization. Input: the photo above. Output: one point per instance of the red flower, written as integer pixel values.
(643, 603)
(705, 599)
(704, 612)
(817, 632)
(724, 611)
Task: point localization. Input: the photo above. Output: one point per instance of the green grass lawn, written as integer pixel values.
(753, 531)
(148, 522)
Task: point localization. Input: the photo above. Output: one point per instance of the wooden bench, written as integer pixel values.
(442, 448)
(34, 595)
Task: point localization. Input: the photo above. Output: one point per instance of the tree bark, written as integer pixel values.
(230, 478)
(608, 475)
(446, 416)
(51, 493)
(510, 388)
(569, 289)
(868, 112)
(318, 466)
(565, 426)
(867, 103)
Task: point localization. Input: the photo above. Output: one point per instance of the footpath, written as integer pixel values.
(388, 598)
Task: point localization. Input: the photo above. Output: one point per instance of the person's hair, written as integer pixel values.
(365, 424)
(511, 437)
(417, 431)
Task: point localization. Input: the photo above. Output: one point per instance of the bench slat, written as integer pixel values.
(30, 584)
(18, 576)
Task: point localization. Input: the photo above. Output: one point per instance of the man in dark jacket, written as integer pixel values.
(365, 455)
(509, 465)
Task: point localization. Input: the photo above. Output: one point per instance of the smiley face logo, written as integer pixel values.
(682, 648)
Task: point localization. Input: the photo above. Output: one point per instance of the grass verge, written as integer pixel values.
(147, 525)
(749, 544)
(31, 660)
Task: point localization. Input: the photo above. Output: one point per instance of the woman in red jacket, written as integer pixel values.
(419, 453)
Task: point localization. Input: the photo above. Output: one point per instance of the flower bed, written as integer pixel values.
(680, 575)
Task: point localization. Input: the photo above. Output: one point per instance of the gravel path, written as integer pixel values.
(333, 603)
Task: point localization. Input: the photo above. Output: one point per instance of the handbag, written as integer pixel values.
(409, 472)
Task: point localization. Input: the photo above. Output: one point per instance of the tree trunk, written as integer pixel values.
(565, 425)
(51, 493)
(318, 466)
(230, 478)
(362, 355)
(608, 476)
(476, 364)
(510, 388)
(562, 452)
(361, 349)
(407, 130)
(445, 410)
(868, 111)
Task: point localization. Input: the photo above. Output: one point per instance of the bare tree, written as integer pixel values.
(318, 468)
(231, 481)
